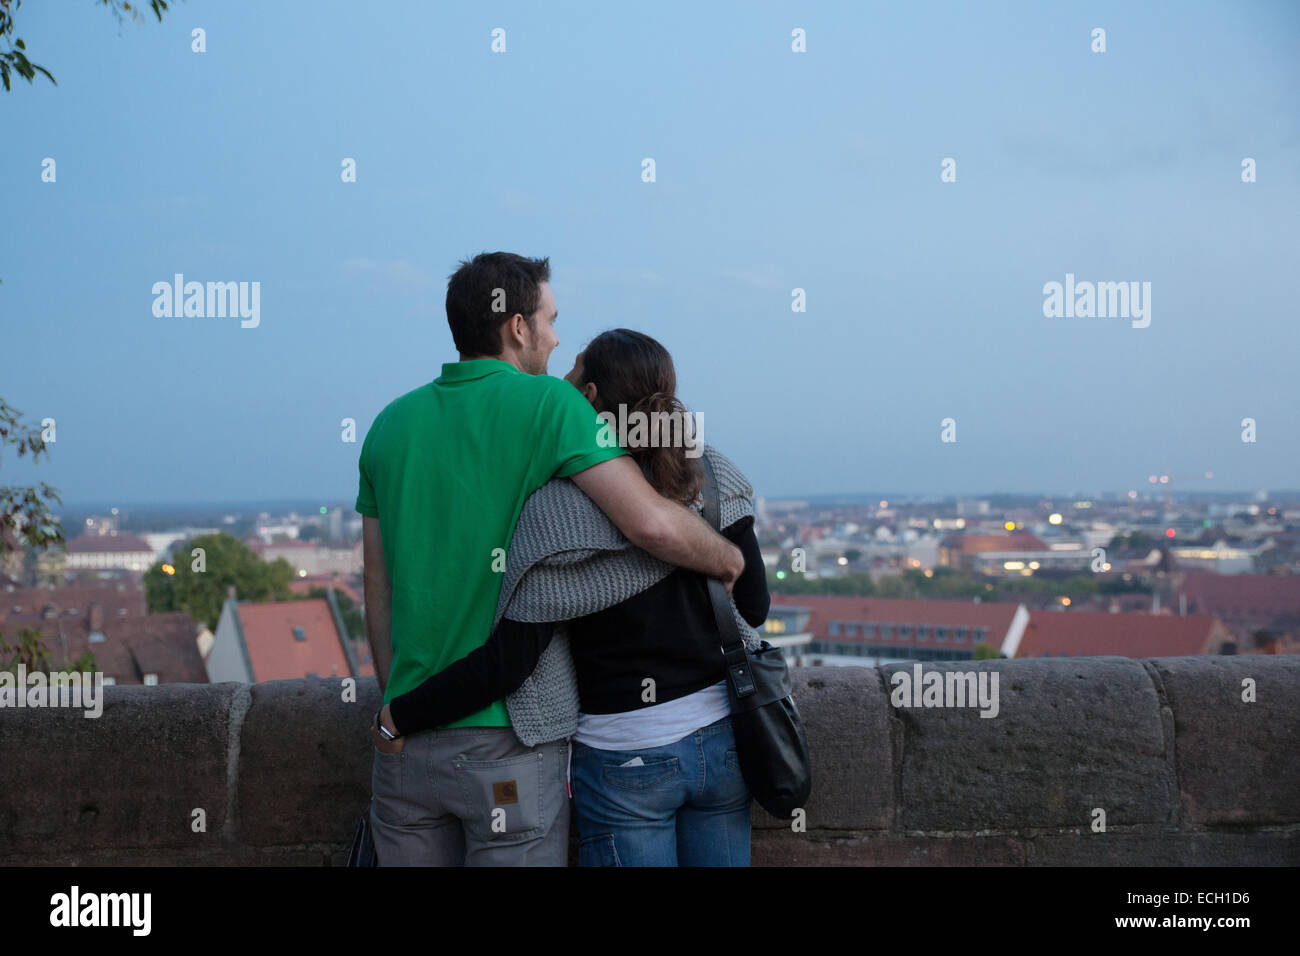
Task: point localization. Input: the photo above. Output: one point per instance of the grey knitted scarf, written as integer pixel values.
(567, 560)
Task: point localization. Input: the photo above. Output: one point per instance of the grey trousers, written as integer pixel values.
(471, 796)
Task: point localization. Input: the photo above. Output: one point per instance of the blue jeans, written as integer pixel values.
(686, 805)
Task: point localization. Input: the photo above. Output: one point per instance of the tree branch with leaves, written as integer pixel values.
(13, 58)
(26, 520)
(25, 511)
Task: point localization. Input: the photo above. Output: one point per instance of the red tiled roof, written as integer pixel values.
(303, 585)
(135, 645)
(107, 544)
(274, 651)
(996, 616)
(1097, 633)
(1263, 595)
(121, 595)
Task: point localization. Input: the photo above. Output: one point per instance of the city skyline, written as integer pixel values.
(307, 504)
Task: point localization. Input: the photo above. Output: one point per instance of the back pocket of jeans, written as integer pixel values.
(598, 851)
(387, 787)
(503, 798)
(644, 776)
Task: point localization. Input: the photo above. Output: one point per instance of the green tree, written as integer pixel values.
(26, 522)
(25, 511)
(1136, 541)
(1115, 584)
(27, 647)
(14, 58)
(1077, 584)
(896, 586)
(227, 561)
(941, 582)
(1008, 587)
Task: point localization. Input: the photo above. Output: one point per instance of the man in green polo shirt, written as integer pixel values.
(444, 473)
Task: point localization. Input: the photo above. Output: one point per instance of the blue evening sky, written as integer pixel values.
(775, 170)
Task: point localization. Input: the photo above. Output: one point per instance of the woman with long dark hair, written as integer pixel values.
(598, 641)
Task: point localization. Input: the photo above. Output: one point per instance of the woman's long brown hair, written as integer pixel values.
(632, 369)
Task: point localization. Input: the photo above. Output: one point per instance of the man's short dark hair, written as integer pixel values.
(472, 292)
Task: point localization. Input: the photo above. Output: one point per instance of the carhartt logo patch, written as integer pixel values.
(505, 791)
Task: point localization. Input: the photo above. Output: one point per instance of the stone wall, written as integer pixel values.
(1186, 772)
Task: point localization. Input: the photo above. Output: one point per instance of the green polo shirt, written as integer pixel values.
(446, 469)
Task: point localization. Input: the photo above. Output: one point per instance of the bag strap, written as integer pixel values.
(733, 647)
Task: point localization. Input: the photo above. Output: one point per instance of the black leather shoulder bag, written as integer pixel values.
(363, 844)
(770, 740)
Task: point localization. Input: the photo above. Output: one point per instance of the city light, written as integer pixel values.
(1010, 526)
(1054, 519)
(168, 569)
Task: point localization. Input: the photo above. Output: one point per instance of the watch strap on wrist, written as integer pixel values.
(384, 731)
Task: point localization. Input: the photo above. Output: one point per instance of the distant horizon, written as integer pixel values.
(308, 505)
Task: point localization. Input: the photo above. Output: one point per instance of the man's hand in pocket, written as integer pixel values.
(382, 743)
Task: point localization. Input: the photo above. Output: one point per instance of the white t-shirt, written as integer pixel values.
(654, 726)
